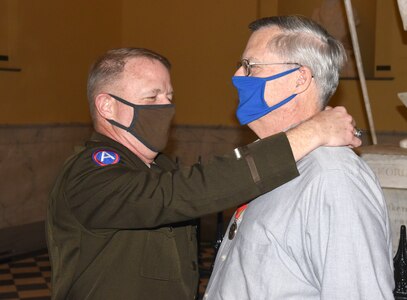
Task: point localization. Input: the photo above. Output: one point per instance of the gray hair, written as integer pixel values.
(305, 42)
(109, 67)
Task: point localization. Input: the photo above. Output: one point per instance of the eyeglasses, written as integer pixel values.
(247, 65)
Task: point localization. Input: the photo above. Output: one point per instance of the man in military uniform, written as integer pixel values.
(118, 216)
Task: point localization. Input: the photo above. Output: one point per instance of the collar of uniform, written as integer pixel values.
(164, 162)
(99, 140)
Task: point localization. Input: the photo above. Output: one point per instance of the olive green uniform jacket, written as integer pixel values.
(121, 230)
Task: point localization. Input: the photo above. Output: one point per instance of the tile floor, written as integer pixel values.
(28, 278)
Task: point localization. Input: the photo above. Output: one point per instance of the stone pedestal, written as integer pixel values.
(390, 165)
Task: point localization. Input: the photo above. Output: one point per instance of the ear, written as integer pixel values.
(304, 80)
(104, 105)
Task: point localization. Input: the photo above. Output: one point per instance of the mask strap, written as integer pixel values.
(122, 100)
(281, 103)
(113, 122)
(281, 74)
(134, 113)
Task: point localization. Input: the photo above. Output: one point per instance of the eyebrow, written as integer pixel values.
(251, 59)
(156, 92)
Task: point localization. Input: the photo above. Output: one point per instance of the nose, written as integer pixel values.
(165, 99)
(239, 72)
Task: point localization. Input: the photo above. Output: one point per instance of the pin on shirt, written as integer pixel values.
(233, 227)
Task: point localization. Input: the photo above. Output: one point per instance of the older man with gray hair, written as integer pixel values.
(326, 234)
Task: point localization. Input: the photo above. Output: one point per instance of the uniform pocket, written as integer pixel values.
(160, 256)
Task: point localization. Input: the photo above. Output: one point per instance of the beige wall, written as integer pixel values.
(54, 42)
(204, 41)
(390, 49)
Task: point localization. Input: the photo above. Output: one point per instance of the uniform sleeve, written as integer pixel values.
(348, 237)
(118, 197)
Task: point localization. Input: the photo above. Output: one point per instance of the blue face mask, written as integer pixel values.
(252, 105)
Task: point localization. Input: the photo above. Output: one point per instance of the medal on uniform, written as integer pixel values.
(233, 227)
(232, 230)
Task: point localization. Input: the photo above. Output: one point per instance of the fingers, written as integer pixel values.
(347, 117)
(355, 142)
(355, 134)
(337, 127)
(339, 109)
(356, 139)
(341, 112)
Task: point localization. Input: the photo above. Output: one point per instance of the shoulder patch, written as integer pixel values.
(105, 157)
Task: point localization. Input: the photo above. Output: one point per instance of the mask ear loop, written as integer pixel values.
(135, 114)
(276, 76)
(122, 100)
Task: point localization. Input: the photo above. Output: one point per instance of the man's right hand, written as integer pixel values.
(331, 127)
(335, 127)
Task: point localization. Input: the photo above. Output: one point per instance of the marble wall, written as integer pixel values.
(31, 156)
(390, 165)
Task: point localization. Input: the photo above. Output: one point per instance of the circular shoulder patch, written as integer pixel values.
(105, 157)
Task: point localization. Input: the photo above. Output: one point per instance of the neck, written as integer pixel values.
(285, 117)
(138, 149)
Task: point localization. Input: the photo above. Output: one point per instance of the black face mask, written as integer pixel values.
(150, 124)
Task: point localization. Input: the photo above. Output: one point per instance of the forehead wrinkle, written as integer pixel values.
(157, 91)
(150, 91)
